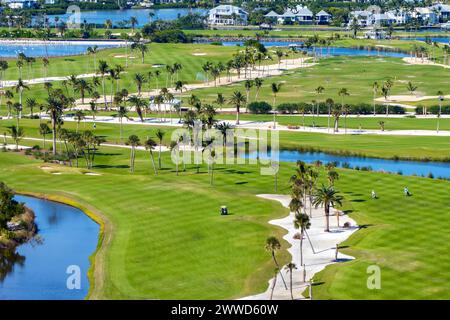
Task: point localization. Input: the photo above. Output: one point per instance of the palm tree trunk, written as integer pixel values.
(54, 135)
(276, 263)
(327, 217)
(153, 162)
(273, 285)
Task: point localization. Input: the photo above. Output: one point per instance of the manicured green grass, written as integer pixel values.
(417, 147)
(407, 147)
(357, 74)
(404, 236)
(166, 249)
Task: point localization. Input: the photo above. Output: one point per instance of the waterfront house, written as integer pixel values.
(224, 15)
(427, 16)
(443, 11)
(323, 17)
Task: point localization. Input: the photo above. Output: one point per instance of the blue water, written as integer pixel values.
(445, 40)
(116, 16)
(11, 50)
(39, 270)
(438, 169)
(323, 51)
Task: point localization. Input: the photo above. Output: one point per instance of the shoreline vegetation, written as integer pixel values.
(17, 222)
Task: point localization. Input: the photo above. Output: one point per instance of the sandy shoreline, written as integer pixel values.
(68, 42)
(324, 246)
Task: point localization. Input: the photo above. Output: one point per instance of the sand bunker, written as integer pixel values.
(92, 174)
(199, 54)
(124, 56)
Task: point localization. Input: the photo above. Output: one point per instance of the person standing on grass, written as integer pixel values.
(406, 192)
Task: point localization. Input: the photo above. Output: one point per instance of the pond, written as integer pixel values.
(38, 270)
(406, 167)
(10, 49)
(445, 40)
(117, 17)
(327, 51)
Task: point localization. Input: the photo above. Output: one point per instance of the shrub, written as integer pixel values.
(287, 108)
(259, 107)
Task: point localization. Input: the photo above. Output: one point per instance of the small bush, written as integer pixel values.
(259, 107)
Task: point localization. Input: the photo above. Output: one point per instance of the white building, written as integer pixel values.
(300, 14)
(443, 11)
(227, 15)
(428, 16)
(361, 16)
(323, 17)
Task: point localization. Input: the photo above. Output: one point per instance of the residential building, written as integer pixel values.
(323, 17)
(227, 15)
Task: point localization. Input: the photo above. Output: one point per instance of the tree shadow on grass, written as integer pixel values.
(234, 171)
(358, 200)
(241, 182)
(106, 166)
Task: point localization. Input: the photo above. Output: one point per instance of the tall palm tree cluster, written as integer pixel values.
(305, 193)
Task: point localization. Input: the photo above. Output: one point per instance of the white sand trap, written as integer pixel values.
(199, 54)
(57, 173)
(124, 56)
(423, 61)
(324, 244)
(13, 147)
(46, 168)
(92, 174)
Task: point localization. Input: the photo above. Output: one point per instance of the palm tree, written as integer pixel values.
(93, 50)
(411, 88)
(303, 223)
(237, 99)
(355, 27)
(56, 103)
(319, 90)
(160, 135)
(141, 47)
(133, 141)
(332, 177)
(139, 79)
(258, 85)
(44, 129)
(20, 86)
(103, 69)
(275, 89)
(272, 245)
(150, 146)
(17, 134)
(31, 104)
(45, 63)
(375, 89)
(138, 104)
(440, 98)
(290, 267)
(220, 100)
(133, 22)
(248, 85)
(18, 109)
(122, 112)
(328, 197)
(79, 115)
(82, 86)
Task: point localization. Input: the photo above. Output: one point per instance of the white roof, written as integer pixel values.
(272, 14)
(302, 11)
(424, 10)
(361, 13)
(442, 7)
(227, 10)
(288, 14)
(323, 13)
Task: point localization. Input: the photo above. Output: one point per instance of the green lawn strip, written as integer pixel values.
(339, 72)
(403, 236)
(381, 146)
(164, 248)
